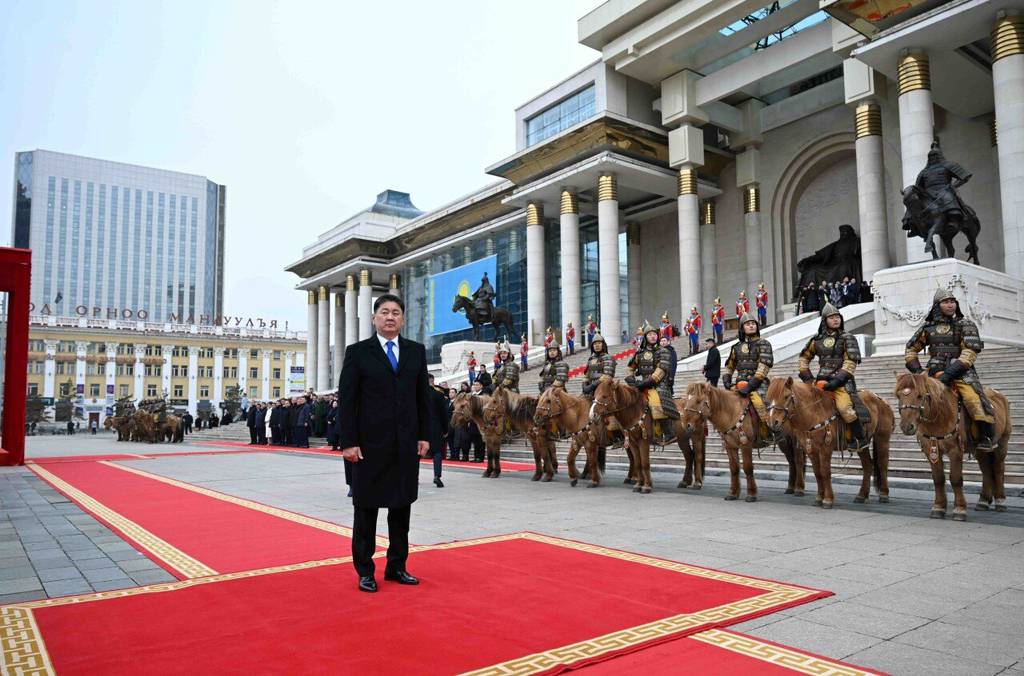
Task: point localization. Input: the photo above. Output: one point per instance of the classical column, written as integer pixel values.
(917, 123)
(351, 311)
(167, 351)
(393, 285)
(709, 257)
(110, 371)
(50, 370)
(1008, 83)
(752, 232)
(569, 234)
(536, 293)
(688, 214)
(608, 257)
(365, 307)
(193, 380)
(81, 350)
(265, 375)
(140, 372)
(243, 371)
(874, 238)
(633, 268)
(217, 395)
(339, 337)
(323, 339)
(289, 361)
(312, 327)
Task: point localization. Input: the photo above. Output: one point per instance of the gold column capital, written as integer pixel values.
(687, 182)
(364, 278)
(339, 300)
(570, 202)
(350, 282)
(868, 120)
(751, 199)
(312, 297)
(534, 213)
(322, 292)
(393, 281)
(914, 72)
(707, 212)
(607, 188)
(1007, 36)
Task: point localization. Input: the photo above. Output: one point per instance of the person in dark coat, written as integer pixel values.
(303, 422)
(385, 427)
(250, 422)
(332, 426)
(485, 380)
(713, 366)
(438, 405)
(261, 423)
(293, 419)
(671, 375)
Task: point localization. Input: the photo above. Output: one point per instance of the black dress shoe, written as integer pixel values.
(438, 482)
(400, 576)
(367, 584)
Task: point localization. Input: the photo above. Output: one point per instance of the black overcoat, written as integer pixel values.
(384, 413)
(713, 365)
(438, 405)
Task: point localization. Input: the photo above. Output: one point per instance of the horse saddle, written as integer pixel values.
(654, 404)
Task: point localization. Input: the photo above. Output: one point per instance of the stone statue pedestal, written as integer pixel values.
(903, 297)
(454, 357)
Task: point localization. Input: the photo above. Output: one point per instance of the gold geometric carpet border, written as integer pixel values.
(28, 647)
(165, 551)
(778, 655)
(242, 502)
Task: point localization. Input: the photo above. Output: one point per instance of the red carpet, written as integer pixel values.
(192, 531)
(529, 603)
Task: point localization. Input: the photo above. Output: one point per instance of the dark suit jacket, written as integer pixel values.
(713, 366)
(438, 421)
(384, 413)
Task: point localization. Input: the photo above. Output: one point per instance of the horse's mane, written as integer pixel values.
(521, 408)
(706, 390)
(917, 382)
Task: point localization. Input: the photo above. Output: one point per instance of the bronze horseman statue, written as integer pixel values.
(480, 310)
(934, 208)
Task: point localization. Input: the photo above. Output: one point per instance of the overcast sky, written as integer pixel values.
(304, 110)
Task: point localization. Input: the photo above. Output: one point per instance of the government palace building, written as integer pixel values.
(710, 147)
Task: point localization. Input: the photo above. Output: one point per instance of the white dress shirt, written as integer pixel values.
(383, 345)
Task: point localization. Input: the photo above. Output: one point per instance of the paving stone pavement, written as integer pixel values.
(912, 595)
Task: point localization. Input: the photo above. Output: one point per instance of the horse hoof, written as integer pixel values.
(750, 498)
(636, 489)
(859, 500)
(645, 490)
(937, 514)
(487, 475)
(496, 475)
(798, 494)
(1000, 508)
(593, 485)
(826, 505)
(817, 503)
(547, 478)
(730, 497)
(697, 487)
(682, 484)
(535, 477)
(788, 491)
(959, 516)
(627, 481)
(573, 483)
(981, 507)
(883, 498)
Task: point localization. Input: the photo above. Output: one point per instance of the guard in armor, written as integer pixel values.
(555, 371)
(838, 356)
(742, 306)
(600, 367)
(761, 300)
(953, 345)
(507, 373)
(750, 360)
(718, 320)
(649, 370)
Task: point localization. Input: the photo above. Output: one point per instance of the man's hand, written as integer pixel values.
(423, 447)
(352, 454)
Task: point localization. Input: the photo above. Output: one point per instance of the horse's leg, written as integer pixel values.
(985, 467)
(595, 470)
(939, 481)
(734, 472)
(999, 472)
(829, 497)
(867, 470)
(956, 478)
(538, 470)
(791, 461)
(686, 446)
(549, 459)
(881, 447)
(818, 479)
(698, 461)
(748, 470)
(570, 462)
(630, 444)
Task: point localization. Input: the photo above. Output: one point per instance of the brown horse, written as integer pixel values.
(572, 414)
(727, 412)
(508, 409)
(171, 430)
(470, 407)
(628, 406)
(935, 414)
(809, 415)
(121, 424)
(692, 444)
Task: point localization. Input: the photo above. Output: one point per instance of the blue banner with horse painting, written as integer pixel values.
(443, 287)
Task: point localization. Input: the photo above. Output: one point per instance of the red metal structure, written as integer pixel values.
(15, 279)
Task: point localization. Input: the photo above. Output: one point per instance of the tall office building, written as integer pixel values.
(119, 241)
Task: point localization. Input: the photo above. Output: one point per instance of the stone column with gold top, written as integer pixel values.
(917, 122)
(323, 339)
(688, 213)
(610, 317)
(351, 311)
(110, 371)
(393, 285)
(708, 258)
(752, 234)
(635, 308)
(874, 236)
(339, 336)
(365, 305)
(536, 293)
(1008, 84)
(312, 326)
(569, 233)
(139, 350)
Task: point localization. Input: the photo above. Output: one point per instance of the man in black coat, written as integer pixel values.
(293, 418)
(261, 423)
(303, 423)
(438, 428)
(485, 380)
(250, 421)
(713, 366)
(385, 427)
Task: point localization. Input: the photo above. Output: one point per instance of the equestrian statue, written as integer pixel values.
(480, 310)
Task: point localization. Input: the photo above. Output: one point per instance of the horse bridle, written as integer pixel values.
(791, 399)
(920, 408)
(549, 412)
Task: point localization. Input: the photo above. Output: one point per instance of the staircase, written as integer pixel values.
(236, 431)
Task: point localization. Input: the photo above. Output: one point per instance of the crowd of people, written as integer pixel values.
(813, 298)
(292, 421)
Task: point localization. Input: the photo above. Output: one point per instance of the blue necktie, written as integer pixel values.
(391, 354)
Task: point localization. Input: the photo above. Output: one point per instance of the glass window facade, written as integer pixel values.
(23, 201)
(562, 115)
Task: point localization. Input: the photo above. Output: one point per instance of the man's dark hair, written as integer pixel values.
(709, 340)
(388, 298)
(430, 377)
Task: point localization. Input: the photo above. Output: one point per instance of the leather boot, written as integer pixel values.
(858, 439)
(985, 434)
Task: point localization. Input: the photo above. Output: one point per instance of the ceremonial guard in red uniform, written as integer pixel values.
(471, 365)
(524, 351)
(693, 326)
(549, 337)
(570, 338)
(742, 306)
(761, 298)
(718, 320)
(591, 329)
(666, 330)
